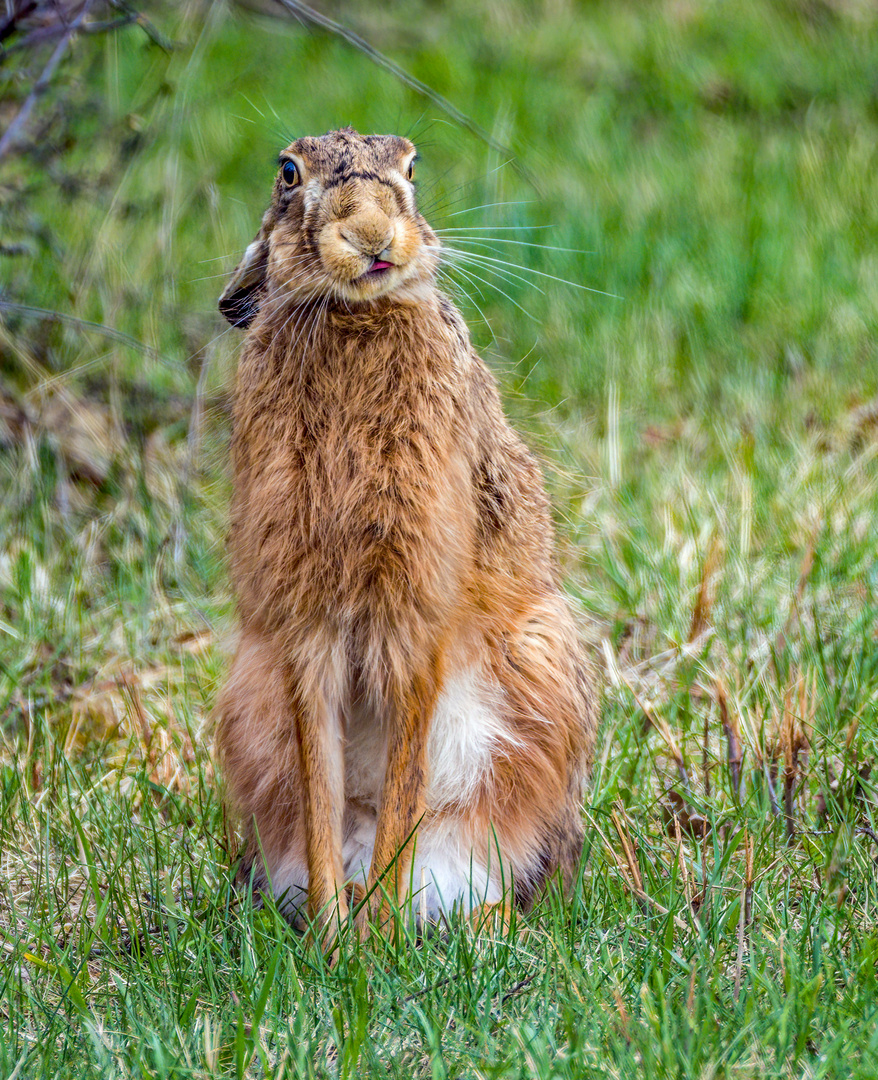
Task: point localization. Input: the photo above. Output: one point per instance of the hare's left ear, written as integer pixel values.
(241, 297)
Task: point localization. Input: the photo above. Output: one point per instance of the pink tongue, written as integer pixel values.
(379, 265)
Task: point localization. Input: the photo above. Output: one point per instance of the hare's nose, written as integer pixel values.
(371, 245)
(371, 236)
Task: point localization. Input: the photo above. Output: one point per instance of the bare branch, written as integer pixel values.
(79, 324)
(17, 126)
(316, 18)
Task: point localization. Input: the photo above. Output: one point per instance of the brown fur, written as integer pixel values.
(390, 535)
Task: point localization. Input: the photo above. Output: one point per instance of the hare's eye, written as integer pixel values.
(290, 173)
(410, 172)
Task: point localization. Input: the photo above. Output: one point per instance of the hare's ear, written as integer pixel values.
(241, 297)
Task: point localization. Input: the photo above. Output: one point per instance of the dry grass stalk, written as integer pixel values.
(698, 901)
(130, 690)
(771, 781)
(633, 880)
(681, 862)
(690, 998)
(751, 731)
(704, 600)
(692, 903)
(663, 728)
(628, 850)
(732, 733)
(790, 762)
(623, 1014)
(807, 712)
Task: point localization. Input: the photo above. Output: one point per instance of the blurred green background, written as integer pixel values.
(681, 309)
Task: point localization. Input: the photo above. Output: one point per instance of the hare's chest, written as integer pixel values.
(345, 467)
(355, 507)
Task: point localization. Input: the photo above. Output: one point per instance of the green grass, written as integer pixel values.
(709, 434)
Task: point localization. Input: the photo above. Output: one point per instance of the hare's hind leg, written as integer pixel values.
(280, 745)
(259, 754)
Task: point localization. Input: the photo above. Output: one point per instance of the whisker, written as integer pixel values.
(208, 277)
(315, 318)
(218, 258)
(487, 206)
(494, 228)
(445, 274)
(540, 273)
(506, 275)
(298, 310)
(491, 285)
(229, 273)
(321, 307)
(484, 241)
(447, 269)
(453, 256)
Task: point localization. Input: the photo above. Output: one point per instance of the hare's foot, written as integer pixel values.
(492, 918)
(327, 927)
(373, 916)
(287, 881)
(289, 886)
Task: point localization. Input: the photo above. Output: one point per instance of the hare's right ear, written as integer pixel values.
(241, 297)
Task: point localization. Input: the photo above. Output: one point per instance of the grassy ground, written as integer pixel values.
(709, 433)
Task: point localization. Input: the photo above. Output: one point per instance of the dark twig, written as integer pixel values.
(17, 126)
(745, 913)
(733, 739)
(9, 25)
(315, 18)
(150, 29)
(517, 988)
(49, 33)
(426, 989)
(44, 33)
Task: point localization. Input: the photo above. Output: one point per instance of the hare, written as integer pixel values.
(410, 714)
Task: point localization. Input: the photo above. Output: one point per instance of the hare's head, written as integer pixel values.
(342, 223)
